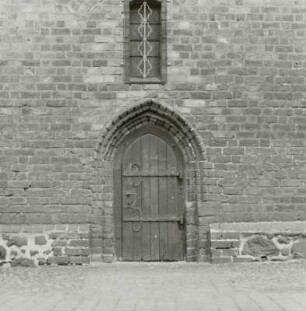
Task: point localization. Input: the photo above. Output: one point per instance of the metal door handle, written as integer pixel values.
(181, 220)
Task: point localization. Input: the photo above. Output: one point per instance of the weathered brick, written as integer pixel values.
(59, 260)
(57, 251)
(230, 235)
(84, 243)
(181, 47)
(61, 31)
(78, 260)
(216, 252)
(220, 260)
(222, 244)
(77, 251)
(65, 109)
(229, 252)
(243, 259)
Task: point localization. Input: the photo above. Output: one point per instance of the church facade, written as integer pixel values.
(158, 130)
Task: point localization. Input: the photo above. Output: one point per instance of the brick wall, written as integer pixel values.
(236, 74)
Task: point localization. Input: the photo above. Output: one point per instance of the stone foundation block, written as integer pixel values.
(2, 253)
(40, 240)
(17, 240)
(33, 253)
(259, 246)
(298, 249)
(25, 262)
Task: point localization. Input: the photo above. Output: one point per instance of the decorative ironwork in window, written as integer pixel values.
(144, 47)
(145, 35)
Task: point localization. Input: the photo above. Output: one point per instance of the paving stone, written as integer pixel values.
(156, 286)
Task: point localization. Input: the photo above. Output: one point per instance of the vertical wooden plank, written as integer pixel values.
(158, 196)
(132, 199)
(136, 183)
(172, 241)
(127, 241)
(137, 240)
(153, 140)
(181, 212)
(162, 200)
(173, 233)
(146, 212)
(136, 225)
(127, 234)
(181, 243)
(118, 211)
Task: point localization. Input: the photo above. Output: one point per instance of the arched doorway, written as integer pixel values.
(149, 198)
(158, 125)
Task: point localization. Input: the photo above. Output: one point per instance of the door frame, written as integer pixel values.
(199, 207)
(117, 179)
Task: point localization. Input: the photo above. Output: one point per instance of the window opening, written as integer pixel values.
(145, 36)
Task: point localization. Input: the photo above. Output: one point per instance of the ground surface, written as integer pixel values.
(257, 286)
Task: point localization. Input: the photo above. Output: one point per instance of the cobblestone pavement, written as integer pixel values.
(258, 286)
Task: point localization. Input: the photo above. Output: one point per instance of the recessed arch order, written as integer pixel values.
(161, 124)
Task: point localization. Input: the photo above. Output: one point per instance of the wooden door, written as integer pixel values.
(152, 202)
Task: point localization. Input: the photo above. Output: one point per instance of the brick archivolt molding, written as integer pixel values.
(187, 139)
(158, 116)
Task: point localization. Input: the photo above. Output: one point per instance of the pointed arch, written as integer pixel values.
(159, 116)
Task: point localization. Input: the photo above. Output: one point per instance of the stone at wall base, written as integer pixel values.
(261, 241)
(298, 249)
(243, 259)
(24, 262)
(259, 246)
(22, 245)
(219, 260)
